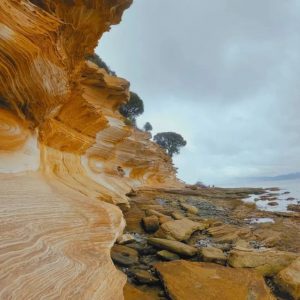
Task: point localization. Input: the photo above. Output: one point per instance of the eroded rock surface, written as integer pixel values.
(186, 280)
(62, 136)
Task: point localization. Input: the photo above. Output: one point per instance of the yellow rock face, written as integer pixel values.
(64, 149)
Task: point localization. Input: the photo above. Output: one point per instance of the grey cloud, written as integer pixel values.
(222, 73)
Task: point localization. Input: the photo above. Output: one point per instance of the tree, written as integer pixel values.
(133, 108)
(96, 59)
(170, 141)
(148, 127)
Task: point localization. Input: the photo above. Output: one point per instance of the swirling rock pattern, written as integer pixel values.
(66, 155)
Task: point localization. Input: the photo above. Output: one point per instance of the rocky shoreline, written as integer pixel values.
(184, 244)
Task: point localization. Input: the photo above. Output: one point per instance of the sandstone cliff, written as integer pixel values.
(62, 146)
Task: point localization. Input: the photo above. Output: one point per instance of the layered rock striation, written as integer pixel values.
(66, 156)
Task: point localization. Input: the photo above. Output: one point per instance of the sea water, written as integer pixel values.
(291, 186)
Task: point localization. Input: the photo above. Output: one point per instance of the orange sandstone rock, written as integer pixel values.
(185, 280)
(59, 122)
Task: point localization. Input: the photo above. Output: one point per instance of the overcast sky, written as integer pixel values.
(225, 74)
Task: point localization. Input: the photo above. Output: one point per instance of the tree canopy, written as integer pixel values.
(170, 141)
(148, 126)
(133, 108)
(96, 59)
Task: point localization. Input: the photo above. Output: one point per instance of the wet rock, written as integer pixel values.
(289, 279)
(290, 199)
(125, 239)
(267, 262)
(190, 208)
(273, 203)
(142, 248)
(179, 230)
(167, 255)
(294, 207)
(274, 189)
(185, 280)
(143, 276)
(173, 246)
(149, 260)
(150, 224)
(133, 293)
(214, 255)
(124, 256)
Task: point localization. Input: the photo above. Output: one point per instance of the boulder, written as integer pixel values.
(166, 255)
(214, 255)
(289, 279)
(228, 233)
(273, 203)
(125, 239)
(173, 246)
(179, 230)
(150, 224)
(143, 276)
(177, 215)
(190, 208)
(185, 280)
(124, 256)
(268, 262)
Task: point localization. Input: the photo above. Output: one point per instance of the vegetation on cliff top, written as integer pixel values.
(96, 59)
(170, 141)
(133, 108)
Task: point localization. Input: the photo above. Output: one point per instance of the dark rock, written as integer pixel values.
(142, 248)
(149, 260)
(294, 207)
(150, 224)
(166, 255)
(124, 256)
(143, 276)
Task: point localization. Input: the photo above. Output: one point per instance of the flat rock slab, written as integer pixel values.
(124, 256)
(185, 280)
(215, 255)
(173, 246)
(267, 262)
(179, 230)
(228, 233)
